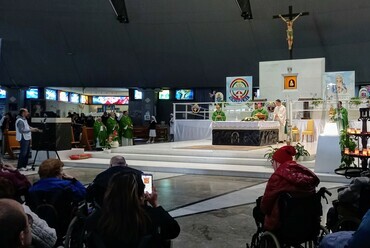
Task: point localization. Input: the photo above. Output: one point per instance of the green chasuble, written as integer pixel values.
(342, 118)
(126, 127)
(111, 125)
(222, 116)
(262, 111)
(100, 132)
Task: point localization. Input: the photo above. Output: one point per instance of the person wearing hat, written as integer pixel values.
(289, 177)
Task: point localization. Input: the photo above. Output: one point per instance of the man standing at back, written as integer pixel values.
(96, 190)
(280, 116)
(23, 135)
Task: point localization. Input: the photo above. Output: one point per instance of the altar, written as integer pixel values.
(245, 133)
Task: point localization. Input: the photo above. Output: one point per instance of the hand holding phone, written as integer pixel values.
(148, 182)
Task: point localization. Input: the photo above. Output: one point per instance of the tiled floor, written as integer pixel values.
(213, 211)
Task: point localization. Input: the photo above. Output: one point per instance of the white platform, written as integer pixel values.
(170, 157)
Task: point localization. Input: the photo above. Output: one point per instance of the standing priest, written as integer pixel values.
(100, 133)
(260, 112)
(126, 129)
(280, 116)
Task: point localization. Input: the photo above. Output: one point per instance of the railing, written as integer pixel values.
(204, 110)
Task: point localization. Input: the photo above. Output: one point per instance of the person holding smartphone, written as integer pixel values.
(129, 217)
(96, 190)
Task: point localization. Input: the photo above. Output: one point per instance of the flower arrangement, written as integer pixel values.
(301, 152)
(114, 135)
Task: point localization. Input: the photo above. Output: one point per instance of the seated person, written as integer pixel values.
(52, 178)
(260, 112)
(55, 196)
(14, 225)
(125, 217)
(19, 180)
(42, 235)
(349, 239)
(218, 115)
(96, 190)
(348, 203)
(288, 177)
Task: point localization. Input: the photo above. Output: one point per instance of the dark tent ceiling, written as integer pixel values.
(194, 43)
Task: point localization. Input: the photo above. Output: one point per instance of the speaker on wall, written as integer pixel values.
(245, 7)
(119, 7)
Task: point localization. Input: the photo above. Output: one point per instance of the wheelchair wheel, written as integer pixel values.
(347, 224)
(269, 240)
(255, 243)
(75, 236)
(315, 243)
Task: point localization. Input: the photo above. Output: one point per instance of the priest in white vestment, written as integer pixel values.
(280, 116)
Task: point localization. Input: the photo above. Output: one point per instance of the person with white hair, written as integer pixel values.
(152, 131)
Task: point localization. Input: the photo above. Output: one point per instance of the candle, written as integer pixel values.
(356, 151)
(349, 130)
(358, 131)
(346, 150)
(364, 152)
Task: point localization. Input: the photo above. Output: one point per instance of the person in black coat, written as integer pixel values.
(130, 218)
(96, 190)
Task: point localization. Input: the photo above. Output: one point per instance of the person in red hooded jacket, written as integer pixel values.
(288, 177)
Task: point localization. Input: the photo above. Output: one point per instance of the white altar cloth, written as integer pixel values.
(245, 125)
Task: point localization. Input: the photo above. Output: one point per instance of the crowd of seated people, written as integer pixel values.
(118, 199)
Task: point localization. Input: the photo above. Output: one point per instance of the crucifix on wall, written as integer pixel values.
(289, 19)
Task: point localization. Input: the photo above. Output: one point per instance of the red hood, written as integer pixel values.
(298, 175)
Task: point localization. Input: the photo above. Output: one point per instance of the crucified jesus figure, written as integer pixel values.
(289, 30)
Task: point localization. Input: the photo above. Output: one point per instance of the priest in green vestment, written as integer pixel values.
(126, 129)
(260, 112)
(341, 116)
(218, 115)
(112, 124)
(100, 133)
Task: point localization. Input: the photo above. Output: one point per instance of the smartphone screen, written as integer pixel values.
(148, 181)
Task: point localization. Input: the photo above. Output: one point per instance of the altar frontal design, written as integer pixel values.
(239, 89)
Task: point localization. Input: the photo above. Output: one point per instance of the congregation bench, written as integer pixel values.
(11, 144)
(87, 138)
(142, 133)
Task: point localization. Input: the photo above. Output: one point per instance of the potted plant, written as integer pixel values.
(346, 142)
(114, 139)
(268, 155)
(301, 152)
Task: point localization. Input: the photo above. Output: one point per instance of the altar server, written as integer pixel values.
(280, 116)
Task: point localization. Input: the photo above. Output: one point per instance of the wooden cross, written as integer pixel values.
(289, 20)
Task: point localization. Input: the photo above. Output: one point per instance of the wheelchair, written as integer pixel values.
(346, 217)
(56, 207)
(300, 219)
